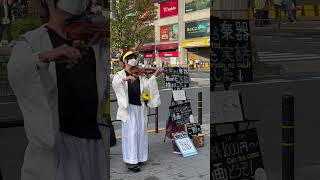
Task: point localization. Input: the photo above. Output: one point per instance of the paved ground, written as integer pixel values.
(163, 164)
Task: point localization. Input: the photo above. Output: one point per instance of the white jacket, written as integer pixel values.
(35, 86)
(120, 88)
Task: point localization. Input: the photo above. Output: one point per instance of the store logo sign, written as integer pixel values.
(169, 8)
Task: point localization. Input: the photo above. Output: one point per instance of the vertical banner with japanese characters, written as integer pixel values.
(230, 54)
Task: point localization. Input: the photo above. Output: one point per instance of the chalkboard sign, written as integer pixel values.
(235, 156)
(184, 144)
(176, 77)
(180, 113)
(230, 50)
(193, 129)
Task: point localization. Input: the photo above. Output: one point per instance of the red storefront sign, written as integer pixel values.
(148, 55)
(169, 54)
(169, 8)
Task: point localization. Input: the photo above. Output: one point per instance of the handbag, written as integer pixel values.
(113, 139)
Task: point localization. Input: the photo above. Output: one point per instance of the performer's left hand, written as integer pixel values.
(159, 71)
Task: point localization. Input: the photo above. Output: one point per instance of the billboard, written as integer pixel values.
(197, 29)
(169, 33)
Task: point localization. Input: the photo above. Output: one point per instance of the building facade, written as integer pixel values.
(182, 31)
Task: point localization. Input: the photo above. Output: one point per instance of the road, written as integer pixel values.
(275, 48)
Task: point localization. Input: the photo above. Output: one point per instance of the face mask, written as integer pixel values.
(132, 62)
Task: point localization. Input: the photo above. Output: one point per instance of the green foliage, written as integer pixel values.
(131, 23)
(116, 69)
(23, 25)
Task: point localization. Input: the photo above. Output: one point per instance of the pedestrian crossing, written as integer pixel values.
(283, 57)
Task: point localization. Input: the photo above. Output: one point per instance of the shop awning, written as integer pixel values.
(147, 48)
(167, 46)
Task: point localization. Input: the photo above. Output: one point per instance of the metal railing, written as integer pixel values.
(19, 10)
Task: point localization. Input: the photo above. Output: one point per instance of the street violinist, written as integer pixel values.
(135, 93)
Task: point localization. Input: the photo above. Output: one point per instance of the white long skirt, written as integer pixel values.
(134, 136)
(81, 159)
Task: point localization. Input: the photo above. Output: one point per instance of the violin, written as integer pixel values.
(77, 29)
(140, 70)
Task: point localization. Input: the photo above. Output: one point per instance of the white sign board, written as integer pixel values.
(186, 147)
(179, 95)
(225, 107)
(184, 144)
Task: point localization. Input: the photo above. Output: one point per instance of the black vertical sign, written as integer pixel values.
(235, 156)
(180, 113)
(230, 55)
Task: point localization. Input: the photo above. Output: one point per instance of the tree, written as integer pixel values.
(131, 23)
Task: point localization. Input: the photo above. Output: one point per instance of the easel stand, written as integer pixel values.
(174, 103)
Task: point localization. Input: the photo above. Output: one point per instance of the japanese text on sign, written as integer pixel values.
(176, 77)
(230, 55)
(193, 129)
(235, 156)
(180, 113)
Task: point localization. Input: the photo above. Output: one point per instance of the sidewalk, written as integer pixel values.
(163, 164)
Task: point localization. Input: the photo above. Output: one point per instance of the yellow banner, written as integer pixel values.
(201, 42)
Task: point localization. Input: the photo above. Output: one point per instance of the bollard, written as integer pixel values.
(288, 141)
(316, 10)
(200, 108)
(157, 120)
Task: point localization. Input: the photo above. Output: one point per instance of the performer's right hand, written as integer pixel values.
(63, 53)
